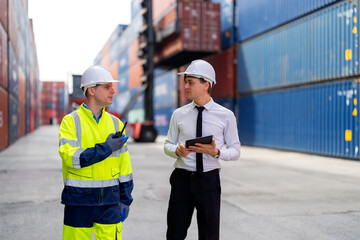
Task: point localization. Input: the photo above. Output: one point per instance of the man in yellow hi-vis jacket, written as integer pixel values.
(96, 165)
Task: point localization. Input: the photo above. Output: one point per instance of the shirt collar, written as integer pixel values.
(96, 119)
(207, 106)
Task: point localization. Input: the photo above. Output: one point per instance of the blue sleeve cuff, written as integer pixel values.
(125, 192)
(95, 154)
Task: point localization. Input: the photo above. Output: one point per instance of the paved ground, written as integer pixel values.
(267, 194)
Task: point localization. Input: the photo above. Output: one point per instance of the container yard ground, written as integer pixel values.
(267, 194)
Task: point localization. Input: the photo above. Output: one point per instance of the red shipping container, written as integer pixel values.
(22, 119)
(4, 128)
(181, 85)
(210, 26)
(50, 113)
(191, 30)
(135, 73)
(3, 58)
(225, 69)
(32, 119)
(4, 14)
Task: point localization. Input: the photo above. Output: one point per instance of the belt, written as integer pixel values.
(212, 172)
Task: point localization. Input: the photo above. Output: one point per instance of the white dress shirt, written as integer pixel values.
(217, 121)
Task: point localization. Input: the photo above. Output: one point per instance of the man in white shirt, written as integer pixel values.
(195, 181)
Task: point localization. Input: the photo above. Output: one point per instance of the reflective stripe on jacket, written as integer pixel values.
(93, 174)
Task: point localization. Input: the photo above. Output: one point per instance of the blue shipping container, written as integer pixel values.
(129, 35)
(165, 89)
(121, 101)
(140, 99)
(227, 15)
(135, 7)
(123, 60)
(321, 46)
(13, 119)
(123, 83)
(321, 119)
(229, 103)
(162, 118)
(13, 72)
(258, 16)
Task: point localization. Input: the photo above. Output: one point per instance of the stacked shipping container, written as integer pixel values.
(19, 74)
(294, 83)
(54, 97)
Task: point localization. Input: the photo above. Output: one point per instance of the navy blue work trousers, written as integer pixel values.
(189, 191)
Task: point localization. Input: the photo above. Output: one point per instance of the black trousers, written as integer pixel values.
(190, 190)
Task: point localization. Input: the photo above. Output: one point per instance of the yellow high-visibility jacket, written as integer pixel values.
(93, 174)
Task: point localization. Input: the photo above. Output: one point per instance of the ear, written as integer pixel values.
(207, 86)
(91, 91)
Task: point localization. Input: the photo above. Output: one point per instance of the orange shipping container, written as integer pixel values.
(135, 73)
(114, 67)
(3, 58)
(133, 52)
(22, 86)
(22, 119)
(4, 128)
(159, 7)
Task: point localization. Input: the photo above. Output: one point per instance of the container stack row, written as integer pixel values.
(54, 96)
(20, 106)
(184, 30)
(297, 75)
(288, 70)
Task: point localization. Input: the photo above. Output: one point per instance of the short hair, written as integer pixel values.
(202, 80)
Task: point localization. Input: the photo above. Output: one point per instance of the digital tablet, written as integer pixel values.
(203, 140)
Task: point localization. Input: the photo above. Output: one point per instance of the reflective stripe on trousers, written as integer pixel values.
(101, 232)
(81, 221)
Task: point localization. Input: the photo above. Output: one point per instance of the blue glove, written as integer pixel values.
(124, 210)
(116, 143)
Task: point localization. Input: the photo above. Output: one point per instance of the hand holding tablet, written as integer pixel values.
(203, 140)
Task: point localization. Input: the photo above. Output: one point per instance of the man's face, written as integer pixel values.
(195, 88)
(104, 93)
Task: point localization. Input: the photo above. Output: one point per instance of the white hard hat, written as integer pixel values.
(200, 69)
(95, 75)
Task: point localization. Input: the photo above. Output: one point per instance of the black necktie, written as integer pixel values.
(199, 156)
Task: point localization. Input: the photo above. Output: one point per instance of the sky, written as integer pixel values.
(69, 34)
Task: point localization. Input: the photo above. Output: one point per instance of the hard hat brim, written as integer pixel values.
(94, 84)
(197, 76)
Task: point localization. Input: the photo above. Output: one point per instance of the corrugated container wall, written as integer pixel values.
(321, 119)
(4, 14)
(224, 64)
(227, 8)
(199, 29)
(3, 58)
(258, 16)
(4, 126)
(165, 90)
(321, 46)
(135, 7)
(13, 117)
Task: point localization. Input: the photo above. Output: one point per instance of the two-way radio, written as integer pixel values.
(119, 134)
